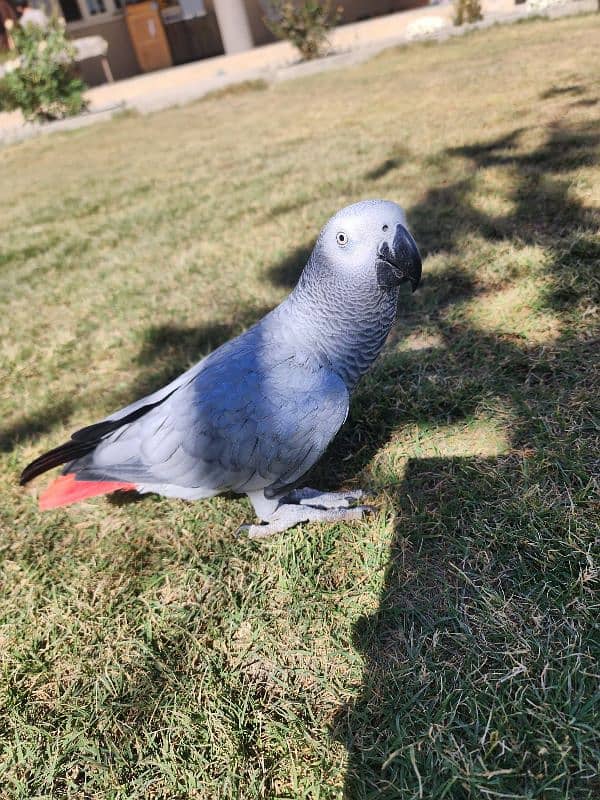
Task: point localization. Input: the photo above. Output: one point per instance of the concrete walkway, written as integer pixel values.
(180, 84)
(279, 61)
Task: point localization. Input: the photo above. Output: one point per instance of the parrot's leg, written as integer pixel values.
(278, 515)
(288, 515)
(313, 497)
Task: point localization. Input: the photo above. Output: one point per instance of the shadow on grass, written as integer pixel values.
(483, 598)
(544, 213)
(398, 157)
(42, 421)
(559, 91)
(585, 102)
(287, 271)
(473, 618)
(287, 206)
(480, 550)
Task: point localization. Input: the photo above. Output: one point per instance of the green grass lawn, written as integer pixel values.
(446, 647)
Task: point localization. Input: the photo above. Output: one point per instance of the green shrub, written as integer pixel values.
(467, 11)
(305, 24)
(44, 86)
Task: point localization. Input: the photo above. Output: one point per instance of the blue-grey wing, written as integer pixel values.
(255, 416)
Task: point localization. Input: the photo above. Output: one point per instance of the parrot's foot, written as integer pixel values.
(317, 499)
(288, 515)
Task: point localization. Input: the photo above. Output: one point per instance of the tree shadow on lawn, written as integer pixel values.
(543, 212)
(286, 272)
(36, 423)
(397, 157)
(483, 578)
(483, 598)
(559, 91)
(479, 660)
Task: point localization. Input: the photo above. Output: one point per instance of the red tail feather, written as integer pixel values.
(66, 490)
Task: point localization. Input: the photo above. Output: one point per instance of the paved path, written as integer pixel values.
(180, 84)
(279, 61)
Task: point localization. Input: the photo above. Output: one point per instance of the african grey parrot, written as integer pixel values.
(254, 416)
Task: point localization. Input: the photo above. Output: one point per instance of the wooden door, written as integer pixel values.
(148, 36)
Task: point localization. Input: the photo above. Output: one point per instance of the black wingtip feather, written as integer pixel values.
(54, 458)
(82, 442)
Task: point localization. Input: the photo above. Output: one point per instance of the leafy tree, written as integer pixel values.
(305, 24)
(467, 11)
(44, 84)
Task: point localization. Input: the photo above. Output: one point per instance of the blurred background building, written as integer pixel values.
(153, 34)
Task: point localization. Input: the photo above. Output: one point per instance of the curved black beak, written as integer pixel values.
(399, 263)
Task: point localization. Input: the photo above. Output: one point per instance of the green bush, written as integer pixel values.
(305, 24)
(467, 11)
(44, 85)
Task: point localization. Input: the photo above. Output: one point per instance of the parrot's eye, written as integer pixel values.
(341, 238)
(385, 228)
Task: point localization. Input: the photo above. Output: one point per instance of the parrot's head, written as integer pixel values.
(368, 243)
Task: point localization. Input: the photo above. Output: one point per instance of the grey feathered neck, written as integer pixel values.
(345, 322)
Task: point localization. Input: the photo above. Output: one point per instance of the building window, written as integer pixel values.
(82, 10)
(95, 7)
(70, 10)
